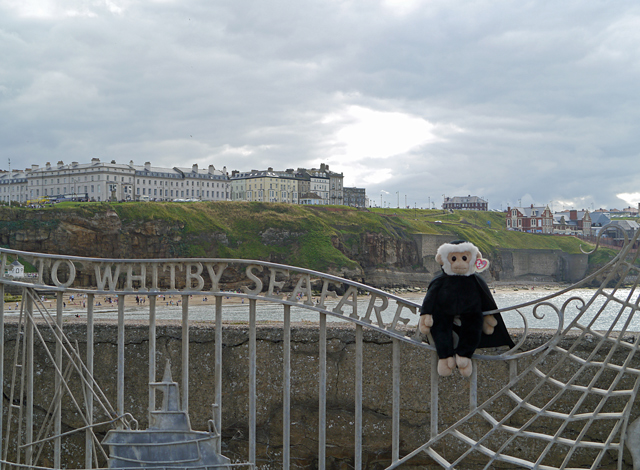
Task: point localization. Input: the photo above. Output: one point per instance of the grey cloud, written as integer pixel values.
(543, 94)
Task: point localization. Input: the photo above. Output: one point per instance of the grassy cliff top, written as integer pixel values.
(243, 223)
(486, 229)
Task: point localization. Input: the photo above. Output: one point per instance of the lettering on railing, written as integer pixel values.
(190, 276)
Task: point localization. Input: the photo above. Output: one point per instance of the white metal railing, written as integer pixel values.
(602, 386)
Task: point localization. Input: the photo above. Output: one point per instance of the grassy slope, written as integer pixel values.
(243, 224)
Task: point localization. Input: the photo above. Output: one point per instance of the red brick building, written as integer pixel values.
(530, 219)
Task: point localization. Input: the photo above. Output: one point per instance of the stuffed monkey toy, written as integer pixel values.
(459, 295)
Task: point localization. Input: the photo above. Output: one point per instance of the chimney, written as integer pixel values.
(48, 165)
(147, 166)
(532, 206)
(194, 168)
(130, 162)
(113, 162)
(270, 169)
(34, 167)
(211, 169)
(95, 160)
(224, 170)
(74, 163)
(234, 172)
(60, 163)
(573, 214)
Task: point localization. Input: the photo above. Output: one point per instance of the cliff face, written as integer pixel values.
(387, 258)
(103, 235)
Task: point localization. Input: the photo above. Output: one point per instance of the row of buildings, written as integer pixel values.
(111, 181)
(542, 220)
(572, 222)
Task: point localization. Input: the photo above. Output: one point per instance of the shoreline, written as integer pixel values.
(106, 302)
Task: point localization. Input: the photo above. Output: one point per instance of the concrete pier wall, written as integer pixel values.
(377, 390)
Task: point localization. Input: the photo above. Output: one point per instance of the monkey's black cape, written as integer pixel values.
(455, 295)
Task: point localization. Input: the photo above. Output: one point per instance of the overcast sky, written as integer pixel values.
(514, 101)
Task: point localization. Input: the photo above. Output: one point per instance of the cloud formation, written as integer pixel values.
(532, 101)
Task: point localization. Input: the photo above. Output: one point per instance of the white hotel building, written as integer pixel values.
(103, 181)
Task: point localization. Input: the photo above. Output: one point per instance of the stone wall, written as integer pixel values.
(377, 391)
(541, 265)
(513, 265)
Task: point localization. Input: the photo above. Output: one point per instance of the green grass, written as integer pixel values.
(236, 229)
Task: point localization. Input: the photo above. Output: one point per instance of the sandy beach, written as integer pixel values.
(102, 302)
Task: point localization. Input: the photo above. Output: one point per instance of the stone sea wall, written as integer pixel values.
(377, 391)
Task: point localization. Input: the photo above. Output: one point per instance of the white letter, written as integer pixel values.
(215, 277)
(54, 273)
(172, 273)
(353, 293)
(142, 277)
(106, 276)
(191, 276)
(326, 293)
(273, 283)
(41, 263)
(378, 309)
(254, 278)
(397, 317)
(298, 290)
(154, 277)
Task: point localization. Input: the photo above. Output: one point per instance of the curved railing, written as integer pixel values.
(572, 371)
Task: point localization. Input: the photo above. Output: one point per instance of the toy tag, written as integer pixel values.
(481, 264)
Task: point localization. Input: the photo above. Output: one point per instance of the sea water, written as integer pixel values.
(606, 310)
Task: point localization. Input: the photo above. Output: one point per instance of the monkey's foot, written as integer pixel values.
(425, 323)
(465, 366)
(488, 324)
(446, 366)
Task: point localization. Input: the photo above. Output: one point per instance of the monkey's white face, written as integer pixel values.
(460, 262)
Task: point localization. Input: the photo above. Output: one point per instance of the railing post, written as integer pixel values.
(252, 381)
(473, 386)
(152, 353)
(322, 393)
(435, 378)
(358, 400)
(58, 386)
(395, 416)
(120, 379)
(2, 342)
(88, 437)
(218, 369)
(29, 379)
(185, 353)
(286, 389)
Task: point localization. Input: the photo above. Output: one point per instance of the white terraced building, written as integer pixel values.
(13, 186)
(102, 181)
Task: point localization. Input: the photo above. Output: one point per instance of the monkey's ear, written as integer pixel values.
(439, 259)
(481, 264)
